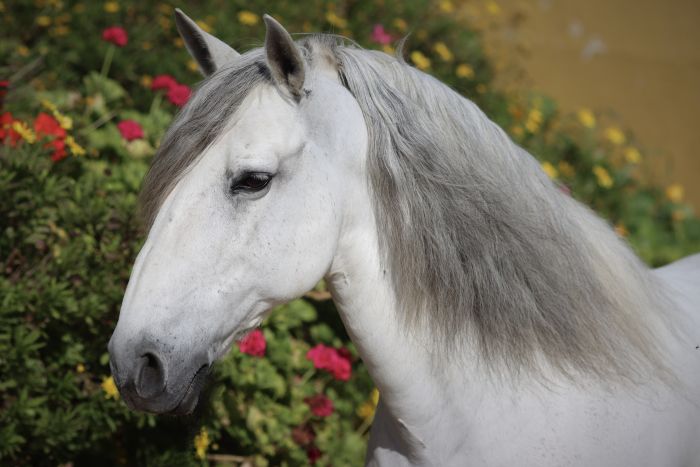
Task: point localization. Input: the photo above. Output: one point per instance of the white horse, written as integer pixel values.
(502, 321)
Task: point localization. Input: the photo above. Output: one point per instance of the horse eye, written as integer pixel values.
(251, 182)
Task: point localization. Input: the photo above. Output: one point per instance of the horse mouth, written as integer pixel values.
(190, 398)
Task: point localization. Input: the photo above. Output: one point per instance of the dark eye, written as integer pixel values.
(251, 182)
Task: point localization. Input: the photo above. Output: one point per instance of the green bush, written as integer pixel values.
(70, 235)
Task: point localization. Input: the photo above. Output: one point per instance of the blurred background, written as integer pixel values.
(637, 59)
(604, 94)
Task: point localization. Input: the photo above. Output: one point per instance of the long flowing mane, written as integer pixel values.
(481, 247)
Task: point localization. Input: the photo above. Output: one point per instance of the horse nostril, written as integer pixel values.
(150, 376)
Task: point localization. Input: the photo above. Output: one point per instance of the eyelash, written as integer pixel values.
(251, 182)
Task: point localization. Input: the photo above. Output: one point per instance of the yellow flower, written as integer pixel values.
(615, 135)
(23, 50)
(164, 22)
(80, 368)
(443, 51)
(465, 71)
(50, 106)
(493, 8)
(64, 18)
(110, 389)
(366, 409)
(400, 24)
(534, 120)
(205, 27)
(420, 60)
(447, 6)
(24, 131)
(146, 45)
(566, 169)
(603, 177)
(179, 42)
(192, 65)
(61, 31)
(677, 216)
(388, 49)
(43, 20)
(201, 443)
(586, 118)
(75, 148)
(550, 170)
(64, 120)
(336, 20)
(675, 193)
(111, 7)
(632, 155)
(621, 230)
(517, 130)
(248, 18)
(146, 81)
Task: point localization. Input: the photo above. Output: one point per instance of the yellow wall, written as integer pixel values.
(637, 58)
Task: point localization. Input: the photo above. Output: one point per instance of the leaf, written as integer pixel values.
(96, 84)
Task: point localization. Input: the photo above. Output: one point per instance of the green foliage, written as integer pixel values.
(69, 232)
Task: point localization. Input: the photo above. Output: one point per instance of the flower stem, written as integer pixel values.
(307, 376)
(107, 63)
(155, 104)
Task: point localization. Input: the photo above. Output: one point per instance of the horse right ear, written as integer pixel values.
(209, 52)
(284, 58)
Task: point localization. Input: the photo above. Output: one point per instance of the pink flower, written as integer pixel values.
(179, 94)
(163, 82)
(313, 453)
(116, 36)
(335, 361)
(130, 130)
(380, 36)
(303, 435)
(320, 405)
(253, 344)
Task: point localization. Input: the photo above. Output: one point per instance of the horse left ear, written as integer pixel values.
(209, 52)
(284, 58)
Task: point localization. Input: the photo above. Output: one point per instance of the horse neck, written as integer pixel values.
(413, 395)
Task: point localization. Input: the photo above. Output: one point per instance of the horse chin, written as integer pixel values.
(191, 397)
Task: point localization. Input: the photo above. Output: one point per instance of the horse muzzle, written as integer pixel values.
(152, 378)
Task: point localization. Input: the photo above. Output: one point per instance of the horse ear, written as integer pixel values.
(209, 52)
(284, 58)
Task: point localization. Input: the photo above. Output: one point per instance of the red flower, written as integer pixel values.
(335, 361)
(179, 94)
(313, 453)
(116, 36)
(130, 130)
(380, 36)
(6, 131)
(320, 405)
(253, 344)
(46, 125)
(303, 435)
(163, 82)
(59, 149)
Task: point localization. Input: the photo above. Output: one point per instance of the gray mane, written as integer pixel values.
(199, 123)
(482, 248)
